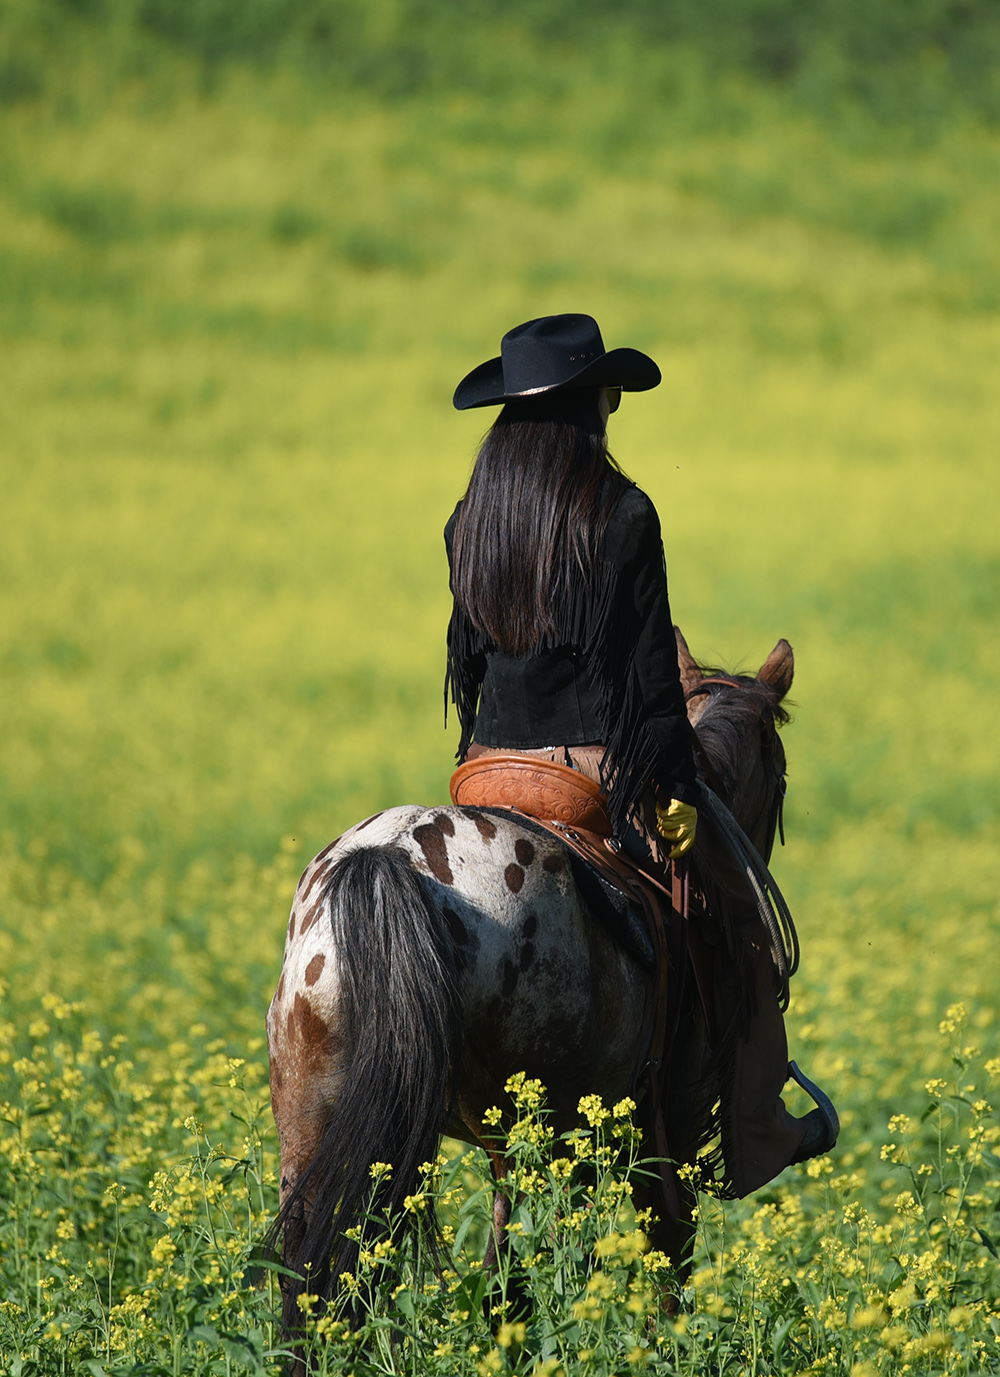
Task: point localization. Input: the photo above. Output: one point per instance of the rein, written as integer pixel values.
(771, 905)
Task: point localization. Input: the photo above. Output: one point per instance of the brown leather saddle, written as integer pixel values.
(572, 808)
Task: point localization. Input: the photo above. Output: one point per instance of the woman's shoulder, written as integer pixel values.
(634, 528)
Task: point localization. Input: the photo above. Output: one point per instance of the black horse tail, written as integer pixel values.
(401, 1029)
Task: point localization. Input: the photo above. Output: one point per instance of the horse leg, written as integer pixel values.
(498, 1244)
(299, 1141)
(300, 1102)
(519, 1306)
(671, 1232)
(672, 1200)
(498, 1231)
(500, 1216)
(674, 1234)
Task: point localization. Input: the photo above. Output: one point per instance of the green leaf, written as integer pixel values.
(405, 1304)
(242, 1350)
(987, 1242)
(269, 1265)
(469, 1294)
(462, 1233)
(780, 1335)
(203, 1333)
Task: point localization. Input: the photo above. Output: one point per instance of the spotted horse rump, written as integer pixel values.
(540, 985)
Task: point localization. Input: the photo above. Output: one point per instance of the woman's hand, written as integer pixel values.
(677, 823)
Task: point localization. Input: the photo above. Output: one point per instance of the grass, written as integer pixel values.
(231, 321)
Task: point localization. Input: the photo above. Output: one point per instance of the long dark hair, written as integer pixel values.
(542, 491)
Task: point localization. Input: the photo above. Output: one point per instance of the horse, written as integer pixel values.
(433, 952)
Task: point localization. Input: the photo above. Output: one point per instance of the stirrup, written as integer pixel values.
(825, 1110)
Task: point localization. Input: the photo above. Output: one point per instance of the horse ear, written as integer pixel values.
(690, 673)
(778, 669)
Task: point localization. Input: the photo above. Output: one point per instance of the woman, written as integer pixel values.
(561, 644)
(561, 641)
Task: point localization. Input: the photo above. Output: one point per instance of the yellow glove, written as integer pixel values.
(678, 824)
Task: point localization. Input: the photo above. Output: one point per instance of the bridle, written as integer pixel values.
(709, 682)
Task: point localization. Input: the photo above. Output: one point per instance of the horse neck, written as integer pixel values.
(736, 736)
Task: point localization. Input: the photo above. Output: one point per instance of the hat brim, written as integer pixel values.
(628, 369)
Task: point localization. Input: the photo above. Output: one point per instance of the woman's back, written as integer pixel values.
(605, 673)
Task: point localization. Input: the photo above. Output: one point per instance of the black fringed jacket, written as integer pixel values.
(609, 676)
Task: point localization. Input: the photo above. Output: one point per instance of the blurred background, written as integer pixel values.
(248, 248)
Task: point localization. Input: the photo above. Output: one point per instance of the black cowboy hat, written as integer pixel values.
(551, 354)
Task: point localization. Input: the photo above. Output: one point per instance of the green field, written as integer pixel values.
(233, 307)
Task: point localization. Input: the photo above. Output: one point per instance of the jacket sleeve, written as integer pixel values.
(656, 665)
(466, 669)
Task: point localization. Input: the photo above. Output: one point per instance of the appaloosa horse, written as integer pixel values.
(433, 952)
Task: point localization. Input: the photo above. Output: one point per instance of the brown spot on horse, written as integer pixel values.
(524, 851)
(487, 829)
(529, 927)
(456, 928)
(514, 876)
(368, 822)
(527, 955)
(509, 981)
(431, 840)
(554, 862)
(309, 1032)
(318, 874)
(315, 968)
(291, 928)
(464, 943)
(312, 915)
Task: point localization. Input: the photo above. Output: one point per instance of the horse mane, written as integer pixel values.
(729, 714)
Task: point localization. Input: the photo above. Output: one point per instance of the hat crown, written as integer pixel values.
(546, 352)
